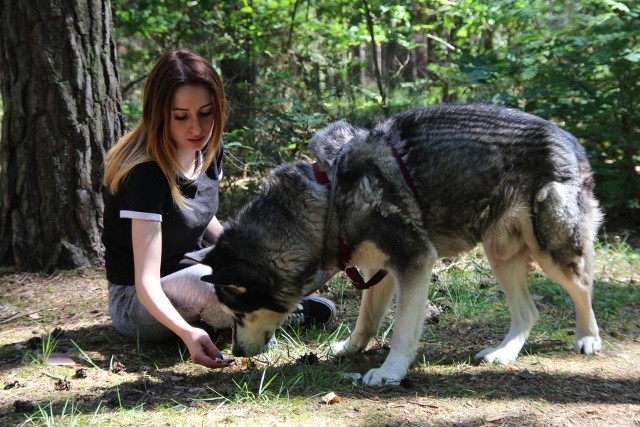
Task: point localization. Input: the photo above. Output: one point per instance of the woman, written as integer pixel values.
(162, 180)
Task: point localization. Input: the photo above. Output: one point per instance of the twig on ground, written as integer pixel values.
(19, 315)
(55, 377)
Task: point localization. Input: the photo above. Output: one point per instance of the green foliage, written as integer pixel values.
(578, 65)
(290, 66)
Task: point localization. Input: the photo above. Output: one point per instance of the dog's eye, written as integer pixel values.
(238, 317)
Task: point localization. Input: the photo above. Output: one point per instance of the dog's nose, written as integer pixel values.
(237, 351)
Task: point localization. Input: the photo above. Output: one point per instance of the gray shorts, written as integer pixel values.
(194, 299)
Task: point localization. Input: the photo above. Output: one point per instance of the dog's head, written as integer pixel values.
(247, 290)
(267, 258)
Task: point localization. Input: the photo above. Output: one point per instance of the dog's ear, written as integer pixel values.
(229, 285)
(224, 277)
(327, 142)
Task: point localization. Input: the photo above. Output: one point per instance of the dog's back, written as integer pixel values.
(477, 167)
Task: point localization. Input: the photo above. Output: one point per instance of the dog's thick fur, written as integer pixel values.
(515, 182)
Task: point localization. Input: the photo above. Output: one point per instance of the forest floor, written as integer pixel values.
(94, 376)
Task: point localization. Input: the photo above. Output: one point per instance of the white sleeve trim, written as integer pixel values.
(141, 215)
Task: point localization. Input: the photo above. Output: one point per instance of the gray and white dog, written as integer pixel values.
(422, 185)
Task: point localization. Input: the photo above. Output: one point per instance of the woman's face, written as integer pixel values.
(191, 123)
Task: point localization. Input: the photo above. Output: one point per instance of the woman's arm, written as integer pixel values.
(147, 250)
(213, 230)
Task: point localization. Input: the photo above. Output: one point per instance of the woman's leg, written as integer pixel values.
(194, 299)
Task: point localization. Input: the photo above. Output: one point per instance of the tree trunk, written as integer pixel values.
(376, 55)
(61, 112)
(239, 79)
(239, 74)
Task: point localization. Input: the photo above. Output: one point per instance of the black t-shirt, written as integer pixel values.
(145, 194)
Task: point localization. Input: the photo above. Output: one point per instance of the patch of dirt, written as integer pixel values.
(127, 383)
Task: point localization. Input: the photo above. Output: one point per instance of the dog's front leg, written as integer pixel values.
(411, 306)
(373, 306)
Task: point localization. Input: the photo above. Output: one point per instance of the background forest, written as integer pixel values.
(72, 85)
(290, 66)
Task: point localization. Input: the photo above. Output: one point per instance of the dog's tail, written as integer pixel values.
(566, 213)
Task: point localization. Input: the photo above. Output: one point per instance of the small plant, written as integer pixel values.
(340, 333)
(243, 394)
(184, 354)
(84, 355)
(47, 346)
(45, 416)
(119, 397)
(217, 397)
(386, 332)
(262, 389)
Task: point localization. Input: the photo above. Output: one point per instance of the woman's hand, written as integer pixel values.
(202, 350)
(146, 237)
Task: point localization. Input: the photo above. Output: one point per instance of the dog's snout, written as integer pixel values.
(243, 350)
(238, 351)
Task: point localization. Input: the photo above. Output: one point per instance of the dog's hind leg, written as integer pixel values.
(509, 263)
(373, 306)
(411, 305)
(567, 223)
(578, 283)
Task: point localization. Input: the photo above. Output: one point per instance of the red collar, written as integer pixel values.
(344, 256)
(321, 176)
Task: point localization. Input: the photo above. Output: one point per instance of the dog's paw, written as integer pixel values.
(495, 355)
(345, 348)
(588, 344)
(340, 349)
(379, 378)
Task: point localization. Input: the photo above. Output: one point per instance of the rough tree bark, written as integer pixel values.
(61, 112)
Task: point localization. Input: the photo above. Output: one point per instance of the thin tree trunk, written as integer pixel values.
(61, 112)
(374, 53)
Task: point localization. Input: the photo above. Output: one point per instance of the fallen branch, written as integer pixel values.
(19, 315)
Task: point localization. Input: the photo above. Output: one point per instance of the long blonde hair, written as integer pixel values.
(150, 139)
